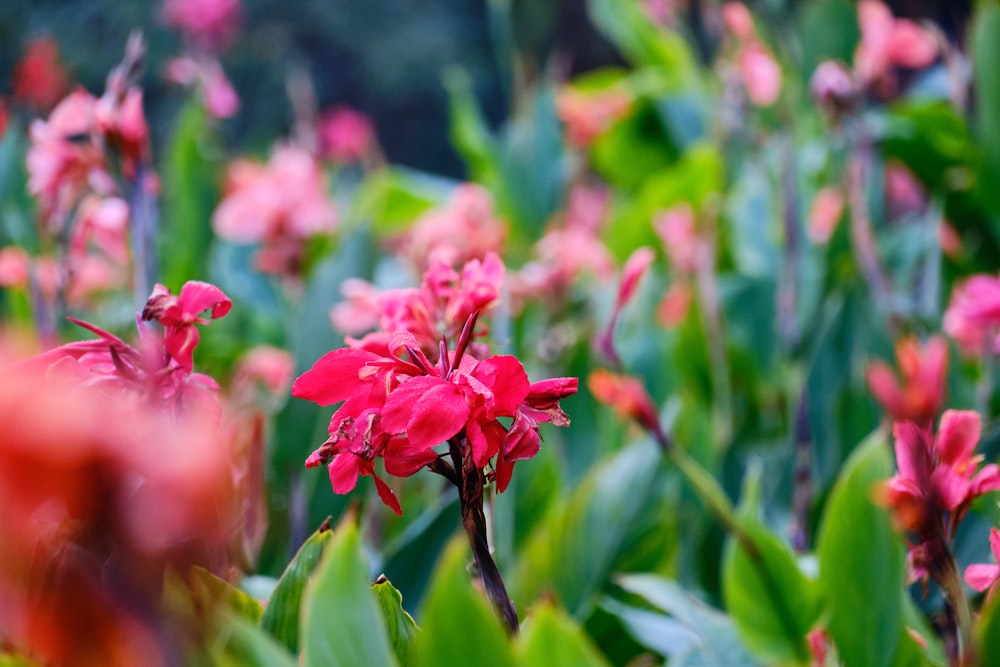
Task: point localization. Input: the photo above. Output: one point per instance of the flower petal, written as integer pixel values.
(197, 296)
(428, 409)
(980, 577)
(387, 495)
(958, 435)
(344, 470)
(334, 377)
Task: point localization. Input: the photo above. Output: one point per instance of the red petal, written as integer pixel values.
(505, 377)
(197, 296)
(958, 435)
(912, 455)
(428, 409)
(522, 440)
(485, 439)
(344, 470)
(387, 496)
(952, 489)
(334, 377)
(180, 344)
(401, 460)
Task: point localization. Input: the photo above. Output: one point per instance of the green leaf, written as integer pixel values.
(399, 624)
(861, 561)
(551, 639)
(718, 643)
(989, 633)
(210, 589)
(985, 56)
(612, 515)
(469, 133)
(773, 604)
(190, 192)
(246, 645)
(281, 616)
(341, 623)
(634, 147)
(459, 626)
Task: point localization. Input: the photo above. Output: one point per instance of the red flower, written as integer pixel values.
(938, 476)
(918, 395)
(626, 396)
(982, 577)
(179, 315)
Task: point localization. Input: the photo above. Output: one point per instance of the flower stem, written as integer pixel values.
(946, 576)
(470, 494)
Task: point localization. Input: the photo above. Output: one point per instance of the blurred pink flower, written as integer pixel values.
(760, 73)
(206, 74)
(633, 271)
(675, 304)
(14, 267)
(279, 205)
(62, 160)
(359, 311)
(677, 229)
(587, 115)
(568, 251)
(38, 80)
(888, 42)
(264, 366)
(905, 194)
(739, 21)
(824, 214)
(919, 393)
(466, 228)
(625, 395)
(973, 315)
(832, 85)
(102, 224)
(345, 135)
(949, 239)
(209, 25)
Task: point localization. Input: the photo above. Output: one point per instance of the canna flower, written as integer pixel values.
(939, 476)
(280, 205)
(833, 86)
(675, 304)
(587, 115)
(206, 75)
(345, 135)
(632, 273)
(918, 394)
(760, 73)
(625, 395)
(887, 42)
(179, 315)
(466, 228)
(983, 577)
(209, 25)
(678, 232)
(399, 397)
(973, 315)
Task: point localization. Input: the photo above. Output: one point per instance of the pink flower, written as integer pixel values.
(938, 477)
(973, 315)
(279, 205)
(359, 311)
(586, 116)
(905, 193)
(179, 315)
(983, 577)
(738, 21)
(678, 232)
(675, 304)
(466, 228)
(923, 370)
(61, 166)
(14, 267)
(632, 273)
(832, 85)
(345, 135)
(217, 93)
(264, 366)
(887, 42)
(761, 74)
(209, 25)
(824, 214)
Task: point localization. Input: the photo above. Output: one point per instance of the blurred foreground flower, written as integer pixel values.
(208, 25)
(982, 577)
(973, 315)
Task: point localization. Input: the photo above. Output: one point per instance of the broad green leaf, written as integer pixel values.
(717, 641)
(281, 615)
(771, 601)
(458, 624)
(832, 31)
(861, 561)
(246, 645)
(190, 193)
(773, 604)
(469, 132)
(210, 589)
(398, 623)
(394, 197)
(655, 630)
(634, 147)
(552, 639)
(985, 56)
(341, 624)
(989, 633)
(613, 514)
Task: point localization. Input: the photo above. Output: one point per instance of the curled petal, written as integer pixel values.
(344, 470)
(387, 495)
(197, 296)
(986, 480)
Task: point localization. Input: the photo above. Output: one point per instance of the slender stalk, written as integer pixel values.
(708, 291)
(946, 575)
(145, 221)
(470, 494)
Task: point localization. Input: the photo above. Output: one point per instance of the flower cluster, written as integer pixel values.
(280, 205)
(399, 402)
(939, 477)
(919, 392)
